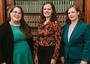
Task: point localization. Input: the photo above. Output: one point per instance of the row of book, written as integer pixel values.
(34, 20)
(35, 6)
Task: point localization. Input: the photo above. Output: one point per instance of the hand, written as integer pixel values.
(36, 60)
(4, 63)
(53, 61)
(83, 62)
(62, 60)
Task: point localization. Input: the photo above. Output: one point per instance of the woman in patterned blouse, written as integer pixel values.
(48, 41)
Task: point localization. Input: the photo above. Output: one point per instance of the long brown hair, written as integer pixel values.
(53, 17)
(23, 26)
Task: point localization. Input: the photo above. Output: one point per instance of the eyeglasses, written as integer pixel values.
(16, 12)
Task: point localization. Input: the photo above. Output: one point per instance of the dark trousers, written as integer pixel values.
(45, 54)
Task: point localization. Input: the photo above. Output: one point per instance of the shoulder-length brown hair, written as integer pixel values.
(53, 16)
(77, 10)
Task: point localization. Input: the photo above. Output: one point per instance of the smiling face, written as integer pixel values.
(47, 10)
(73, 14)
(16, 14)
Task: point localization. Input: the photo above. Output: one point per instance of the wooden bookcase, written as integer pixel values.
(9, 3)
(32, 10)
(6, 4)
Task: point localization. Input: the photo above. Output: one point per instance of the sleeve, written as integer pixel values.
(40, 32)
(86, 50)
(36, 42)
(62, 45)
(36, 48)
(0, 46)
(57, 29)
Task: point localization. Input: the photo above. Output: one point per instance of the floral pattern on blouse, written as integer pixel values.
(49, 35)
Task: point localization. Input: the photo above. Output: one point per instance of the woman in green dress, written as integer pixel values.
(16, 43)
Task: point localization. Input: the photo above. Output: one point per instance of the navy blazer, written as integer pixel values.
(78, 46)
(6, 43)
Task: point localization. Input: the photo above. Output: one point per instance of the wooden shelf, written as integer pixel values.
(36, 14)
(83, 4)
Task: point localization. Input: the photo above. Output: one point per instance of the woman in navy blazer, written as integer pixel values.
(75, 39)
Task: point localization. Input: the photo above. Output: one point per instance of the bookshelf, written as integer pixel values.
(32, 10)
(83, 4)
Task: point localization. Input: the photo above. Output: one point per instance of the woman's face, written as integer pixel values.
(73, 14)
(47, 10)
(16, 14)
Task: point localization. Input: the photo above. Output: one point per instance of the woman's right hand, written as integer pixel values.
(62, 60)
(36, 60)
(4, 63)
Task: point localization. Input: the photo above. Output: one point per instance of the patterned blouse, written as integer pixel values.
(49, 35)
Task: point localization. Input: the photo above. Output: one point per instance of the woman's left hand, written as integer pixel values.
(53, 61)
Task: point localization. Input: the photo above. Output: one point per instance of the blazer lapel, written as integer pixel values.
(75, 32)
(66, 33)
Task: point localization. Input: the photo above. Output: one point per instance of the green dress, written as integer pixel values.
(22, 52)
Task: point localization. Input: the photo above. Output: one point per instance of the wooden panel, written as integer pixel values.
(9, 4)
(2, 11)
(5, 3)
(87, 11)
(79, 3)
